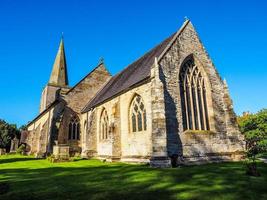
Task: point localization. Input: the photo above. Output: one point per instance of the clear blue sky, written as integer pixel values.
(233, 32)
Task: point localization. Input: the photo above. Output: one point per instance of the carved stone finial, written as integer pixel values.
(101, 60)
(225, 83)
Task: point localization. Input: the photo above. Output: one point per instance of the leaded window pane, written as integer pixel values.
(138, 98)
(74, 131)
(141, 106)
(70, 130)
(144, 116)
(135, 108)
(139, 116)
(133, 123)
(104, 125)
(78, 131)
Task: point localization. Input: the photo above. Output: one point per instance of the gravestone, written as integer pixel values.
(2, 151)
(61, 152)
(14, 145)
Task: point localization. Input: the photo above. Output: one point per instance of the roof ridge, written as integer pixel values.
(186, 22)
(135, 72)
(140, 58)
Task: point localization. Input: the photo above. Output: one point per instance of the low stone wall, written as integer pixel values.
(208, 146)
(136, 159)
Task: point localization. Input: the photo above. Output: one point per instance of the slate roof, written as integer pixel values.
(130, 76)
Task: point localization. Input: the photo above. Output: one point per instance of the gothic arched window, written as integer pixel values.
(104, 125)
(74, 129)
(138, 115)
(193, 97)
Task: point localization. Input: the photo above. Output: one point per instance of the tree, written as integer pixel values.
(7, 133)
(254, 128)
(23, 128)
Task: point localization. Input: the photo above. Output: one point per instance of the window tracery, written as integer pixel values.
(74, 129)
(138, 115)
(193, 97)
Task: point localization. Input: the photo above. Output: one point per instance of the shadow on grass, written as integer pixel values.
(11, 160)
(120, 181)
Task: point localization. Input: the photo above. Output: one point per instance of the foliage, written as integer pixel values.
(21, 149)
(7, 133)
(23, 127)
(92, 179)
(50, 158)
(254, 127)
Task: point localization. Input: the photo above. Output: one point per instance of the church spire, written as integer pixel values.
(59, 75)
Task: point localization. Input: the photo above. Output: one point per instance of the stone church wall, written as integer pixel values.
(86, 89)
(135, 145)
(187, 44)
(204, 146)
(49, 95)
(122, 144)
(89, 134)
(37, 138)
(76, 99)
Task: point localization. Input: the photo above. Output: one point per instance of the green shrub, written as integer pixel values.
(21, 149)
(254, 128)
(51, 158)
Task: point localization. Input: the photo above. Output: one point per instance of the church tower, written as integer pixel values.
(58, 79)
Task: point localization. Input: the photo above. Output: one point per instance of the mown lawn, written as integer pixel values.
(29, 178)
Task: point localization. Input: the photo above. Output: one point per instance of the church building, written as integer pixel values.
(168, 105)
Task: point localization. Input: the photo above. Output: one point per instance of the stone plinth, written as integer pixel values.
(61, 152)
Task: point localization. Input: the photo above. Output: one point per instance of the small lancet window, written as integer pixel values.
(104, 125)
(193, 97)
(138, 115)
(74, 129)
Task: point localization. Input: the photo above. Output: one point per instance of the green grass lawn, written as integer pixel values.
(29, 178)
